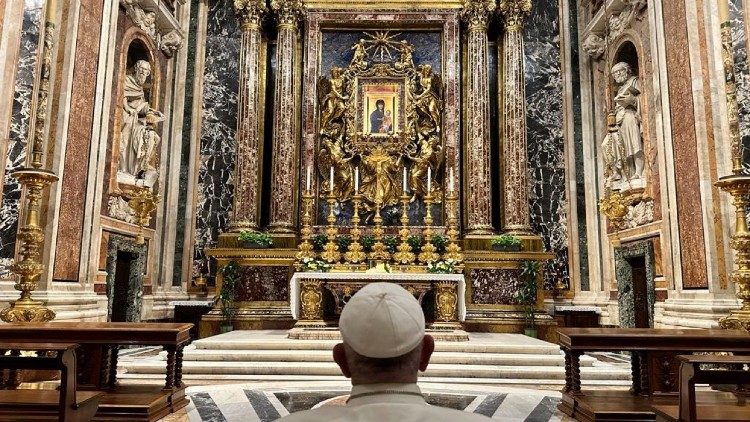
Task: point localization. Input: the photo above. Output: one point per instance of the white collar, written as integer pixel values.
(387, 392)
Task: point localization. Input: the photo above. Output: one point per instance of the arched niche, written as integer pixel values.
(628, 53)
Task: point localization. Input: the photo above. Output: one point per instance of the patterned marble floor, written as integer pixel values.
(230, 403)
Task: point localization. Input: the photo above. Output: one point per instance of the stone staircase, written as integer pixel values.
(270, 356)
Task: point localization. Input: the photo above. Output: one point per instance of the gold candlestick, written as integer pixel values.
(331, 252)
(355, 252)
(379, 250)
(429, 253)
(739, 187)
(452, 250)
(306, 248)
(404, 254)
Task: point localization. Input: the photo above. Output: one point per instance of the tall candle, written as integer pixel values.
(429, 179)
(330, 181)
(309, 170)
(453, 188)
(403, 186)
(356, 179)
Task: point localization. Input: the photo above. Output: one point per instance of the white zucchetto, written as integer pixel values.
(382, 320)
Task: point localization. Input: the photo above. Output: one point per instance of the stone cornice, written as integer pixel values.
(250, 12)
(476, 13)
(513, 13)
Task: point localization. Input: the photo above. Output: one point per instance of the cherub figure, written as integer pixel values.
(405, 60)
(359, 60)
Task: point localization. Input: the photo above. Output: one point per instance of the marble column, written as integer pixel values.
(516, 217)
(478, 184)
(284, 171)
(249, 146)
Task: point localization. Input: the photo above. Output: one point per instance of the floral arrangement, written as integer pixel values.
(391, 242)
(367, 242)
(506, 242)
(415, 242)
(319, 241)
(315, 265)
(343, 242)
(439, 241)
(444, 266)
(260, 239)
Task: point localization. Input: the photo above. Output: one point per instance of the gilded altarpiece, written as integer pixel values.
(380, 102)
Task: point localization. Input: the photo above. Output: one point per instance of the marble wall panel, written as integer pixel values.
(19, 129)
(70, 226)
(494, 286)
(187, 124)
(263, 283)
(690, 222)
(742, 73)
(546, 149)
(217, 149)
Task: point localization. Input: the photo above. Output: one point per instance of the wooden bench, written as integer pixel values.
(99, 343)
(654, 368)
(68, 405)
(691, 373)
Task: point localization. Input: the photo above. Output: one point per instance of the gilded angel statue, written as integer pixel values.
(428, 154)
(359, 60)
(334, 154)
(405, 60)
(332, 95)
(427, 102)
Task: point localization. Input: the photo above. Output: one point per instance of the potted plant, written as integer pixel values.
(391, 242)
(255, 240)
(506, 243)
(526, 295)
(229, 273)
(367, 242)
(343, 242)
(439, 241)
(415, 242)
(319, 241)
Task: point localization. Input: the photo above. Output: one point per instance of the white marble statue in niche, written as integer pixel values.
(139, 140)
(628, 120)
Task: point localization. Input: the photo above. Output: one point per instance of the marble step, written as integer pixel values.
(477, 344)
(157, 367)
(458, 358)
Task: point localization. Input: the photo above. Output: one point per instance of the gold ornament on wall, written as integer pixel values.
(381, 113)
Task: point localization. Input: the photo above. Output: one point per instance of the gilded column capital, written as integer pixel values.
(288, 12)
(514, 12)
(250, 12)
(476, 13)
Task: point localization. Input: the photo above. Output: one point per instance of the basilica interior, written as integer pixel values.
(194, 189)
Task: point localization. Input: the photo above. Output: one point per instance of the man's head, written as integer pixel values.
(382, 327)
(621, 72)
(142, 70)
(380, 104)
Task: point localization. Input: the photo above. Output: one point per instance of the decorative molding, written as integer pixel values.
(288, 12)
(250, 12)
(513, 13)
(594, 45)
(476, 13)
(145, 17)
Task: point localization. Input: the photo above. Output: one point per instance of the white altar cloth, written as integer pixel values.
(389, 277)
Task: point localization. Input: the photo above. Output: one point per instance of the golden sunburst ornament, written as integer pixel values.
(381, 44)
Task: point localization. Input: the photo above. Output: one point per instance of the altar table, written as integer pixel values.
(307, 292)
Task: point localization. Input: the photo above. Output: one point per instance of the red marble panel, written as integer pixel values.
(75, 174)
(689, 207)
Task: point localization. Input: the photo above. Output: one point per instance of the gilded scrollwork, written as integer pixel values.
(514, 12)
(358, 129)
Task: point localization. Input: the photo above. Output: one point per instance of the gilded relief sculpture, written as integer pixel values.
(383, 116)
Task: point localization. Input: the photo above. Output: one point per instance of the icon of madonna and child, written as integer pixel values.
(381, 108)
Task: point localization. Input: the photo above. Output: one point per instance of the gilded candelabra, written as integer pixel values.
(429, 252)
(739, 187)
(29, 268)
(143, 203)
(306, 248)
(355, 252)
(452, 250)
(34, 180)
(379, 250)
(331, 252)
(404, 255)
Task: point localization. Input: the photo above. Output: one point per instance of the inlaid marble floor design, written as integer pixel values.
(239, 403)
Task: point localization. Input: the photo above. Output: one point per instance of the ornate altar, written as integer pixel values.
(386, 174)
